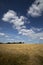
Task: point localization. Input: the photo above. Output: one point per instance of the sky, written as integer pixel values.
(21, 21)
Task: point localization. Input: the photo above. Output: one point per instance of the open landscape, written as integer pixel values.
(21, 32)
(21, 54)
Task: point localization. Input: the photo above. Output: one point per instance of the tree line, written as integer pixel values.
(12, 43)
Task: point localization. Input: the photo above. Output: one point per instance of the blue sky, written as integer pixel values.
(21, 20)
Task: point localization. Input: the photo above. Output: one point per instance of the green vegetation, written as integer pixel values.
(21, 54)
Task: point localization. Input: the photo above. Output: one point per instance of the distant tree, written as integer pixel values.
(21, 42)
(14, 43)
(8, 43)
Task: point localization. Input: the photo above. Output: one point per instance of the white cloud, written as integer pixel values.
(31, 33)
(36, 8)
(18, 21)
(2, 34)
(19, 24)
(11, 17)
(26, 31)
(37, 29)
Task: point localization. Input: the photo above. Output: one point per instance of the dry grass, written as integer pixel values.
(21, 54)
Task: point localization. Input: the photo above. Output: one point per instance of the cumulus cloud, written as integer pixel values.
(19, 23)
(31, 33)
(36, 8)
(37, 29)
(26, 31)
(12, 17)
(9, 15)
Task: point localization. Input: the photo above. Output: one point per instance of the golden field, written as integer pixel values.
(21, 54)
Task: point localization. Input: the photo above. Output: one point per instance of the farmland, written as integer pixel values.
(21, 54)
